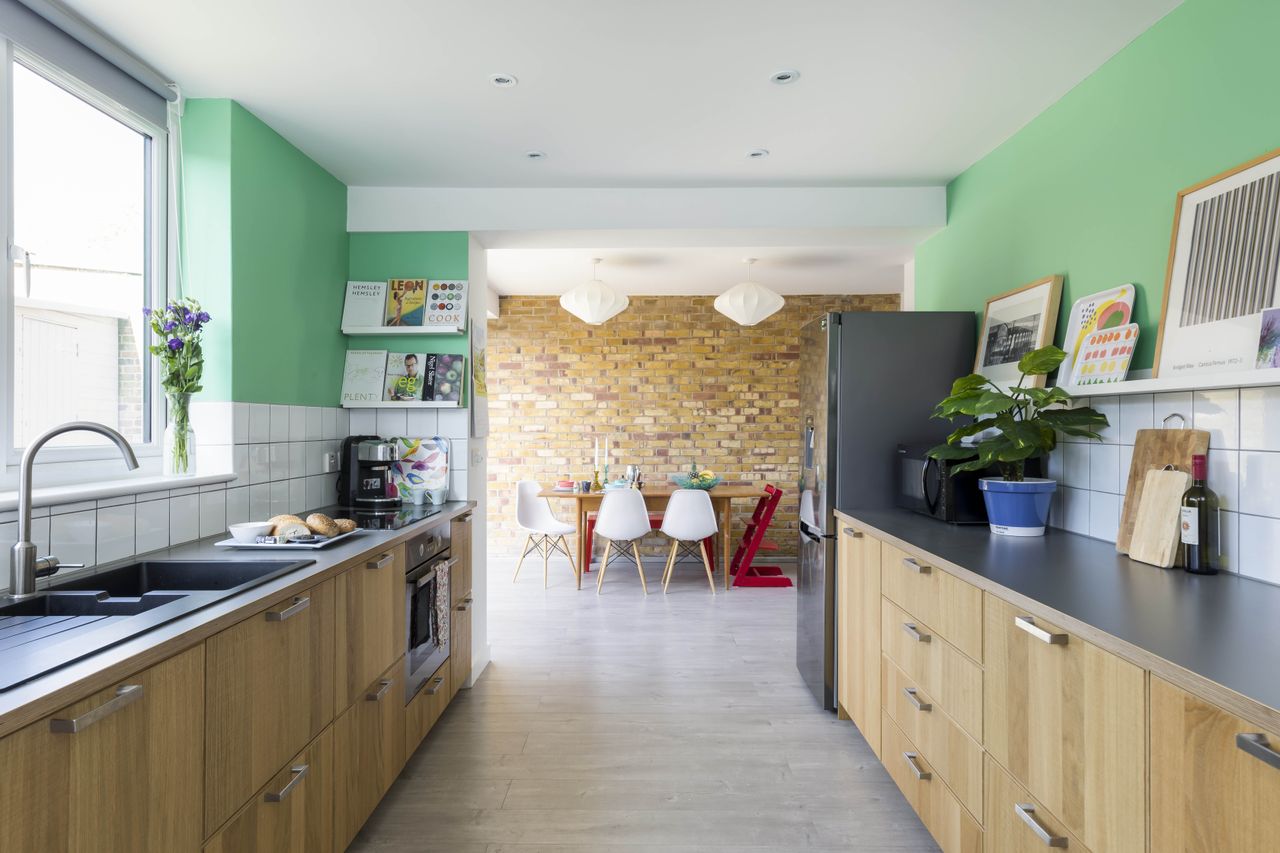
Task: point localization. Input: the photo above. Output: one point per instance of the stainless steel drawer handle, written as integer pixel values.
(436, 684)
(278, 796)
(464, 605)
(915, 700)
(381, 563)
(1027, 812)
(126, 694)
(1028, 624)
(300, 603)
(854, 534)
(916, 566)
(376, 696)
(915, 634)
(1258, 746)
(922, 775)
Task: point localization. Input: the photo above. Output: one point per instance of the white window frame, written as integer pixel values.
(100, 462)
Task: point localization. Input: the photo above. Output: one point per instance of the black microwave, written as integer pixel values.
(927, 485)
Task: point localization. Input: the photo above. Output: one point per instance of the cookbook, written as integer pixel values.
(362, 375)
(406, 301)
(404, 378)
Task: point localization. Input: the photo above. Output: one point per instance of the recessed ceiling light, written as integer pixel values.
(535, 155)
(785, 76)
(757, 153)
(503, 81)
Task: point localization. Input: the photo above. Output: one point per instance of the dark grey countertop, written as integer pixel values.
(1224, 628)
(29, 700)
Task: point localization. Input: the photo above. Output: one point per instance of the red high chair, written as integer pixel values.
(753, 541)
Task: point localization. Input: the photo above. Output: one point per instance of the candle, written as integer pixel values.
(595, 456)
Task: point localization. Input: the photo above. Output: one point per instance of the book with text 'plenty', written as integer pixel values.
(362, 376)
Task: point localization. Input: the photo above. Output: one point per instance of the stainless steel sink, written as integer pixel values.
(183, 576)
(88, 603)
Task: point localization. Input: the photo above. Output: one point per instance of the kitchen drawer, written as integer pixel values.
(368, 748)
(952, 607)
(950, 824)
(952, 679)
(460, 645)
(1215, 778)
(1016, 823)
(292, 814)
(425, 708)
(858, 631)
(269, 692)
(370, 631)
(1069, 722)
(460, 549)
(951, 752)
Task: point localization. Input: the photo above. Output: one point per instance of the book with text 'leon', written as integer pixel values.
(406, 301)
(362, 376)
(365, 302)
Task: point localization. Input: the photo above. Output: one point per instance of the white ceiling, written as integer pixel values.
(621, 93)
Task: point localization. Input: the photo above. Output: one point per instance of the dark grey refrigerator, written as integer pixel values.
(868, 382)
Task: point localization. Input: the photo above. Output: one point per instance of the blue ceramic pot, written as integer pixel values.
(1017, 508)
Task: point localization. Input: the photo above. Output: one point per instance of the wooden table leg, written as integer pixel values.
(584, 559)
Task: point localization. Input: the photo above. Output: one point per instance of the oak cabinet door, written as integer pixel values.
(1015, 823)
(369, 751)
(1068, 721)
(858, 627)
(1215, 778)
(460, 551)
(269, 688)
(950, 824)
(370, 631)
(120, 770)
(460, 645)
(425, 708)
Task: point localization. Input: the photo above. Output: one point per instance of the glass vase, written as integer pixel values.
(179, 438)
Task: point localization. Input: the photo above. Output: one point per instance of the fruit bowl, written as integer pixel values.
(702, 481)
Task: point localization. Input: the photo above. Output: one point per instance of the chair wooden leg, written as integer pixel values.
(706, 564)
(604, 564)
(635, 552)
(546, 555)
(524, 551)
(573, 564)
(671, 564)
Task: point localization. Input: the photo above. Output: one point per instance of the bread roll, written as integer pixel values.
(280, 521)
(345, 525)
(322, 524)
(291, 529)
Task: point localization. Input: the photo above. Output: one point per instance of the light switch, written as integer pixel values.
(328, 462)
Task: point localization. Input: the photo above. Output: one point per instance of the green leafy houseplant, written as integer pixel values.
(1027, 420)
(176, 331)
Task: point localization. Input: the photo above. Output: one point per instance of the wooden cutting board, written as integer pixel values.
(1156, 529)
(1152, 450)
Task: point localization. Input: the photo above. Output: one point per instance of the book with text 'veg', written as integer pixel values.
(362, 376)
(406, 302)
(405, 379)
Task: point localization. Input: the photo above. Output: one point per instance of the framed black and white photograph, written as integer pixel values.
(1014, 324)
(1222, 274)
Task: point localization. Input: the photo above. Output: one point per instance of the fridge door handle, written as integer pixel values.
(808, 443)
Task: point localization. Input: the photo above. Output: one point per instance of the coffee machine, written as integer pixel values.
(365, 476)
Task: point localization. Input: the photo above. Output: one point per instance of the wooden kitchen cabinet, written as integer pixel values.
(952, 679)
(1215, 778)
(949, 605)
(1016, 823)
(460, 550)
(369, 751)
(119, 770)
(370, 629)
(425, 708)
(1068, 721)
(293, 813)
(269, 692)
(858, 631)
(950, 824)
(460, 645)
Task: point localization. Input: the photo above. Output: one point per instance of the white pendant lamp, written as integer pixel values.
(594, 302)
(748, 303)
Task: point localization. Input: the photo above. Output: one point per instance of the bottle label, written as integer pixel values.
(1190, 525)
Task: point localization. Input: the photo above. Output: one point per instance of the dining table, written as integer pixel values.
(655, 499)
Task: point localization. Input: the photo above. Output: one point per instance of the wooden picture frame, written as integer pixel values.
(1015, 323)
(1224, 343)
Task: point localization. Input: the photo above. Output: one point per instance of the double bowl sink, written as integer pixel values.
(84, 616)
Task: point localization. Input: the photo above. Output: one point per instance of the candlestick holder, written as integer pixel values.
(595, 484)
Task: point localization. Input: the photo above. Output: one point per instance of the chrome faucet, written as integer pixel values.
(23, 560)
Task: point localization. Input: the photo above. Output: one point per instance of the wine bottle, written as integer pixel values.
(1199, 522)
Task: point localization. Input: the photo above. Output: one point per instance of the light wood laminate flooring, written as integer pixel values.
(619, 723)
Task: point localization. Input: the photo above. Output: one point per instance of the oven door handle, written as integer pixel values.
(422, 576)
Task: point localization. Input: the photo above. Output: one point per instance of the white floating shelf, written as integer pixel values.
(404, 404)
(363, 331)
(1186, 382)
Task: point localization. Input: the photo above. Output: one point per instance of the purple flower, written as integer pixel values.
(146, 312)
(170, 326)
(175, 344)
(188, 317)
(203, 317)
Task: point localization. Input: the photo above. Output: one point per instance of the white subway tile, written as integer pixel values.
(213, 513)
(239, 423)
(240, 463)
(213, 487)
(120, 500)
(280, 461)
(460, 456)
(1104, 516)
(344, 423)
(237, 505)
(314, 459)
(116, 532)
(364, 422)
(298, 495)
(297, 423)
(1137, 411)
(78, 506)
(1218, 411)
(422, 423)
(330, 418)
(184, 519)
(1172, 403)
(1260, 418)
(148, 497)
(279, 497)
(1259, 544)
(279, 423)
(393, 422)
(1126, 462)
(259, 423)
(1229, 541)
(1224, 477)
(317, 493)
(297, 458)
(73, 537)
(259, 463)
(184, 491)
(1104, 468)
(151, 529)
(1075, 465)
(1109, 406)
(260, 502)
(1056, 463)
(214, 458)
(213, 422)
(1055, 508)
(455, 423)
(1260, 483)
(315, 424)
(1075, 510)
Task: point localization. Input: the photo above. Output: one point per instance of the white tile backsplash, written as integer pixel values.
(455, 423)
(315, 424)
(392, 422)
(421, 423)
(1109, 406)
(1104, 515)
(1136, 412)
(259, 423)
(1104, 468)
(1224, 477)
(237, 505)
(1259, 544)
(364, 422)
(1260, 418)
(151, 527)
(330, 420)
(1260, 483)
(240, 423)
(279, 497)
(279, 423)
(116, 532)
(297, 423)
(213, 513)
(1075, 510)
(73, 536)
(297, 459)
(184, 519)
(279, 461)
(1218, 411)
(1075, 465)
(259, 463)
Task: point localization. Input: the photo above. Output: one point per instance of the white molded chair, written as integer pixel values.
(546, 532)
(688, 520)
(622, 520)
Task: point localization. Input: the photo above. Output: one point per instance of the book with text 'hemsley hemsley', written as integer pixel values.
(362, 376)
(365, 302)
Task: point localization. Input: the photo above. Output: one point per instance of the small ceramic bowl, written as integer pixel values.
(248, 531)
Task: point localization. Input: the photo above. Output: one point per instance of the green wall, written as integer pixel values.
(267, 252)
(1087, 189)
(381, 255)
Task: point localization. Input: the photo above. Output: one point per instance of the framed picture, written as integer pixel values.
(1014, 324)
(1221, 278)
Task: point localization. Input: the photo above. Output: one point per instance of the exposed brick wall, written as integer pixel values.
(671, 380)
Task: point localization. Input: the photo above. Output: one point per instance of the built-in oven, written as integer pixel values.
(427, 607)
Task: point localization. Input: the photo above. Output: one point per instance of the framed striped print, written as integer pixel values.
(1223, 273)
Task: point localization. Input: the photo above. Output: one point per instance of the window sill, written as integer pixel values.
(53, 495)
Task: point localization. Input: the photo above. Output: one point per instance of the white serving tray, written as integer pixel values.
(288, 546)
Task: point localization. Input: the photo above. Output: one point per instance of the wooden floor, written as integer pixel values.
(617, 723)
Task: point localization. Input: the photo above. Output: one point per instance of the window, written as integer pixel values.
(86, 202)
